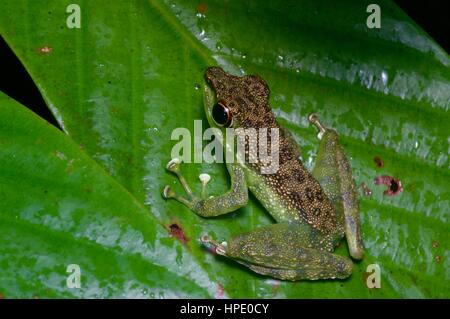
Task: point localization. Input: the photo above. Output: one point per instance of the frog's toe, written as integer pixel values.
(174, 165)
(219, 249)
(313, 118)
(168, 192)
(204, 179)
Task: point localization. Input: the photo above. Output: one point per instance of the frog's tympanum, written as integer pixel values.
(312, 211)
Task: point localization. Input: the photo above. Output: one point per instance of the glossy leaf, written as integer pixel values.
(131, 74)
(58, 207)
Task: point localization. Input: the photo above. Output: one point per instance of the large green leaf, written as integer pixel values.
(120, 84)
(59, 207)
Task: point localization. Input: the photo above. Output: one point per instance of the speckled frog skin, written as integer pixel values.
(313, 211)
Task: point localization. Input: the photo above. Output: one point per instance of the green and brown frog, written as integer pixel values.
(313, 211)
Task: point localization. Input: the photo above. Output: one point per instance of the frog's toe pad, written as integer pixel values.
(173, 164)
(204, 178)
(168, 192)
(220, 249)
(313, 118)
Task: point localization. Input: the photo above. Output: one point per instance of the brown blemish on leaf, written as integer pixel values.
(435, 244)
(394, 185)
(378, 161)
(413, 279)
(115, 110)
(438, 258)
(201, 8)
(177, 232)
(367, 191)
(45, 50)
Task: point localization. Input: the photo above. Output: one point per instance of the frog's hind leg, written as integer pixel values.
(287, 251)
(235, 198)
(334, 174)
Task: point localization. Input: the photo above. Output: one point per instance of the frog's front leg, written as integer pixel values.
(233, 199)
(334, 174)
(287, 251)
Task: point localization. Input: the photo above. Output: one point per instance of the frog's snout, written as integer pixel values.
(214, 71)
(214, 74)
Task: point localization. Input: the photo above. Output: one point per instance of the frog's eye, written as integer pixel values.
(221, 114)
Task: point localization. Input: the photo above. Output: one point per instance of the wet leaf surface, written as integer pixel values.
(132, 73)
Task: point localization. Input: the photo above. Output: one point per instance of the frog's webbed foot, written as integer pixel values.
(214, 205)
(174, 166)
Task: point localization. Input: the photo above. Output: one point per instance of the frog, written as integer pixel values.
(312, 211)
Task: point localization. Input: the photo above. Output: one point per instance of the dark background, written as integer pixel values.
(432, 15)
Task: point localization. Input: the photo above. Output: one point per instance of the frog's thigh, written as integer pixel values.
(287, 251)
(333, 172)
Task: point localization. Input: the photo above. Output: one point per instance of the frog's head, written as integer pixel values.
(232, 101)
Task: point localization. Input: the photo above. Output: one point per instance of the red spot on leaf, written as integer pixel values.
(177, 232)
(220, 291)
(394, 185)
(378, 161)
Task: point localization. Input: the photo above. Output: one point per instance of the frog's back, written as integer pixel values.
(296, 189)
(298, 194)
